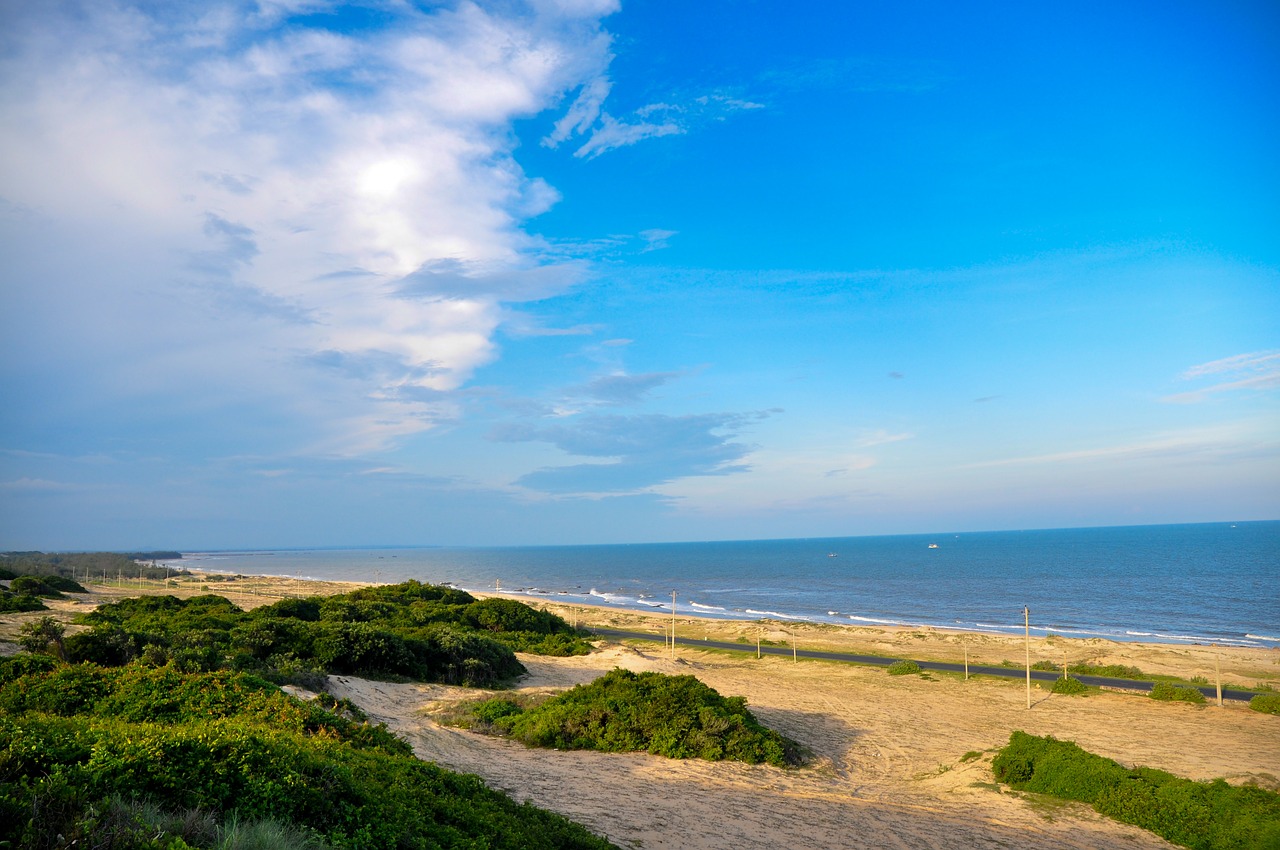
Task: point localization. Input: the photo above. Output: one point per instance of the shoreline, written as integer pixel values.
(691, 608)
(1240, 667)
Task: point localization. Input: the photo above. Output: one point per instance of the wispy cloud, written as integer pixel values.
(625, 389)
(636, 452)
(1257, 371)
(604, 132)
(1224, 442)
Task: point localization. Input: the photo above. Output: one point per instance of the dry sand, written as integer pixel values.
(889, 768)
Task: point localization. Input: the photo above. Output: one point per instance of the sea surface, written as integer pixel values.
(1201, 583)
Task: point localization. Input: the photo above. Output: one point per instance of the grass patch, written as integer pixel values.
(1192, 814)
(1266, 703)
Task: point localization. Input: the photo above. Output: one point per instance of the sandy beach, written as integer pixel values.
(898, 762)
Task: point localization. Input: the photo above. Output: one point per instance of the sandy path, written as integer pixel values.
(887, 771)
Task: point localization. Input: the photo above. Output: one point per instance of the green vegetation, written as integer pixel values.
(1266, 703)
(13, 602)
(903, 668)
(673, 716)
(138, 757)
(1201, 815)
(1114, 671)
(1045, 666)
(87, 565)
(1069, 685)
(410, 630)
(1176, 693)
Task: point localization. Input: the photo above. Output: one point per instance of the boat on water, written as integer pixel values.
(933, 545)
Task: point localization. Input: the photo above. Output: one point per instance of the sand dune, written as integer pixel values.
(887, 770)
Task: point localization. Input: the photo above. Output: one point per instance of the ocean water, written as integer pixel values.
(1199, 583)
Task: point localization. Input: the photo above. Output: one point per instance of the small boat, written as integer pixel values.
(832, 555)
(933, 545)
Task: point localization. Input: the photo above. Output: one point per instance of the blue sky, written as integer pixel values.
(295, 273)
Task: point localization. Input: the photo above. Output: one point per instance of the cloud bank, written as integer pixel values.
(311, 209)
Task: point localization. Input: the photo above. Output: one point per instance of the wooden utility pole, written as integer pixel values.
(673, 625)
(1217, 669)
(966, 661)
(1026, 622)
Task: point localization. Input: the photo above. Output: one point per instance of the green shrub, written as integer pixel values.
(673, 716)
(1266, 703)
(1045, 666)
(1055, 767)
(903, 668)
(410, 630)
(493, 710)
(1069, 685)
(1193, 814)
(1114, 671)
(15, 602)
(1177, 693)
(348, 797)
(33, 586)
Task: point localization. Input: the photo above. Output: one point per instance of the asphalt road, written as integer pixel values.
(974, 669)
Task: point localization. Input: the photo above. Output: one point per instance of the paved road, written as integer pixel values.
(974, 669)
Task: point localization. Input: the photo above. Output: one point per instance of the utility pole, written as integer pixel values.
(673, 625)
(1026, 622)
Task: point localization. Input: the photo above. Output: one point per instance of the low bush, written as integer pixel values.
(903, 668)
(1266, 703)
(1169, 692)
(1069, 685)
(224, 759)
(33, 586)
(673, 716)
(11, 603)
(1193, 814)
(409, 630)
(1113, 671)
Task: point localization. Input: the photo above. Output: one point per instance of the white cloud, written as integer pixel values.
(1259, 370)
(613, 134)
(295, 187)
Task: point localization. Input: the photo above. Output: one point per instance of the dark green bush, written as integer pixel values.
(15, 602)
(410, 630)
(1114, 671)
(903, 668)
(33, 586)
(1176, 693)
(350, 797)
(1266, 703)
(1069, 685)
(1193, 814)
(674, 716)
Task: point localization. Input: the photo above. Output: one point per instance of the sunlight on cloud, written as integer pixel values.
(303, 184)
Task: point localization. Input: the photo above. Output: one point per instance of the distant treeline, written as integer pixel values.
(87, 565)
(33, 576)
